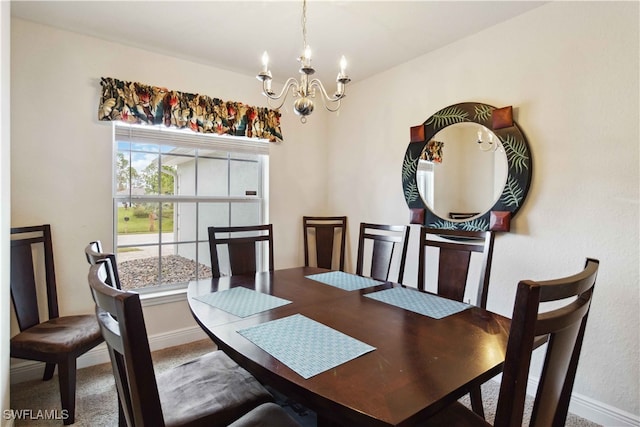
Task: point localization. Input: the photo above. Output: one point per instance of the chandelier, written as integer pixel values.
(305, 89)
(489, 145)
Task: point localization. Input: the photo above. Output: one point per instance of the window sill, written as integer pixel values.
(163, 297)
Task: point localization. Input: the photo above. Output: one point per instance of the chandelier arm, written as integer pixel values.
(275, 107)
(333, 110)
(491, 147)
(325, 96)
(290, 83)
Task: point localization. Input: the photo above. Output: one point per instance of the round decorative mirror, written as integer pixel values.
(467, 167)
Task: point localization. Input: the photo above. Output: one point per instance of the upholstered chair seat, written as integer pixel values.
(60, 335)
(211, 389)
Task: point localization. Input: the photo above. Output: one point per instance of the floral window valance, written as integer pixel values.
(433, 151)
(139, 103)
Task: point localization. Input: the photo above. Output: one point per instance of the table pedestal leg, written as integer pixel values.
(325, 422)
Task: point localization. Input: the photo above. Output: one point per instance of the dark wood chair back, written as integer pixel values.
(241, 243)
(454, 259)
(324, 229)
(215, 390)
(565, 326)
(562, 325)
(385, 241)
(94, 253)
(122, 324)
(25, 241)
(55, 340)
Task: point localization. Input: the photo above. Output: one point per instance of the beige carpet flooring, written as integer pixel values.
(96, 402)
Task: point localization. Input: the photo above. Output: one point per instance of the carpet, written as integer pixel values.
(96, 402)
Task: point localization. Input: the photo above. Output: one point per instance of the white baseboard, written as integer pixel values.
(601, 413)
(26, 370)
(593, 410)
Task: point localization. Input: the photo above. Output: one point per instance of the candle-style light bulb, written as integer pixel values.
(343, 64)
(307, 54)
(265, 62)
(479, 136)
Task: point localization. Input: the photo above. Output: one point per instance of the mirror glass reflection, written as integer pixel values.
(470, 176)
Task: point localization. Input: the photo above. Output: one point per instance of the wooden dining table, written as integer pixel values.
(420, 364)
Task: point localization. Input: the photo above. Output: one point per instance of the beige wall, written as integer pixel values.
(569, 69)
(62, 154)
(5, 191)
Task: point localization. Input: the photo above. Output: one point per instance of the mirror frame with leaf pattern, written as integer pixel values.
(516, 149)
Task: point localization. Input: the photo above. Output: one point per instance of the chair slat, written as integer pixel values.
(94, 253)
(454, 254)
(241, 248)
(23, 286)
(325, 230)
(387, 240)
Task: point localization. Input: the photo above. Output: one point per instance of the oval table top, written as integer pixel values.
(420, 364)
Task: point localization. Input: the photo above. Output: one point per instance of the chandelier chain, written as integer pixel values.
(304, 25)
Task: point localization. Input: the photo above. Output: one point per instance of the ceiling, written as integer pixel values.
(373, 35)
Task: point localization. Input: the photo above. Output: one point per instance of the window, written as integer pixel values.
(424, 179)
(169, 186)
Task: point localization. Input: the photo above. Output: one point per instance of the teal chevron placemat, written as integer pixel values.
(242, 302)
(342, 280)
(419, 302)
(304, 345)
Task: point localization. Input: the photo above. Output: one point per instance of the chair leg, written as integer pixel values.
(67, 378)
(122, 420)
(48, 371)
(475, 395)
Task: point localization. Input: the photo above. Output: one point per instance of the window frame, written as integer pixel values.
(161, 136)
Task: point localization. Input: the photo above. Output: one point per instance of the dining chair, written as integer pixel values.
(381, 242)
(209, 390)
(324, 230)
(57, 340)
(454, 260)
(563, 323)
(94, 253)
(242, 245)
